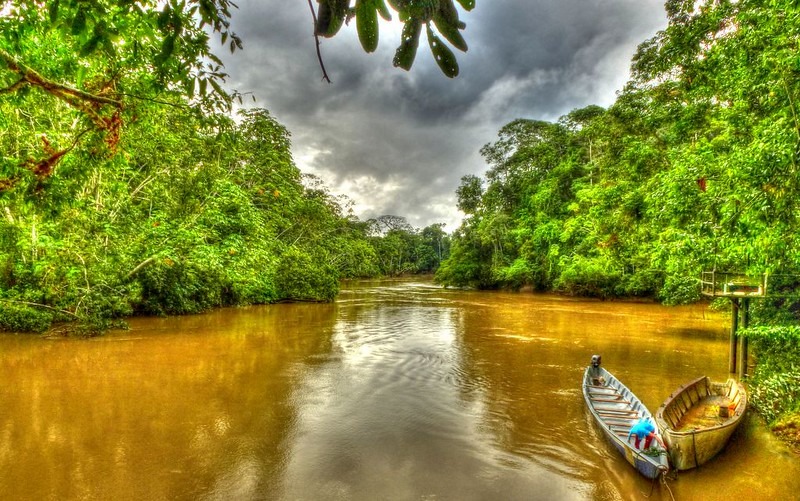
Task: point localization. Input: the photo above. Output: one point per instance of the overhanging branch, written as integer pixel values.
(64, 92)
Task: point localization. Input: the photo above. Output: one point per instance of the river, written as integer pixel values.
(399, 390)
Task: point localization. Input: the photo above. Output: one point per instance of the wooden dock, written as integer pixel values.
(740, 289)
(733, 285)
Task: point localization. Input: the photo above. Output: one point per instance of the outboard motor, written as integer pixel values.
(595, 372)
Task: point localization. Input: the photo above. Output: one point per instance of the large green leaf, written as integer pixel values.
(407, 51)
(367, 24)
(446, 21)
(330, 17)
(443, 55)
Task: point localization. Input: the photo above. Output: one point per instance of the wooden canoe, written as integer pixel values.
(698, 419)
(616, 409)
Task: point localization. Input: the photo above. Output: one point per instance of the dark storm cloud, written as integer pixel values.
(398, 142)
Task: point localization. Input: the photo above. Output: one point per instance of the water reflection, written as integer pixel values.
(179, 408)
(399, 390)
(395, 414)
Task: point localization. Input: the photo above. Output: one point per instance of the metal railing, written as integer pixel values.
(715, 283)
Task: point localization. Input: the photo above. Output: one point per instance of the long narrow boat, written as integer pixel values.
(698, 419)
(616, 409)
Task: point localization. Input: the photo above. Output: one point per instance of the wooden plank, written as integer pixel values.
(609, 410)
(620, 415)
(621, 429)
(602, 388)
(620, 419)
(622, 407)
(625, 417)
(618, 400)
(616, 410)
(694, 395)
(604, 393)
(626, 424)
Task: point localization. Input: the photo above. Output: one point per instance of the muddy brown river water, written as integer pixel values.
(400, 390)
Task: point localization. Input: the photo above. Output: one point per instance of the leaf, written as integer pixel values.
(446, 21)
(53, 10)
(383, 10)
(167, 48)
(443, 55)
(79, 76)
(324, 18)
(79, 23)
(203, 85)
(330, 17)
(163, 18)
(90, 46)
(448, 12)
(407, 51)
(367, 24)
(467, 4)
(218, 89)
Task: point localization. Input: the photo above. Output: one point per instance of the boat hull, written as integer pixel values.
(616, 409)
(694, 423)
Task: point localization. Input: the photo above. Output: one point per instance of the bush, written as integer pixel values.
(24, 318)
(777, 345)
(679, 289)
(774, 393)
(776, 310)
(592, 277)
(514, 276)
(641, 283)
(775, 385)
(171, 288)
(301, 278)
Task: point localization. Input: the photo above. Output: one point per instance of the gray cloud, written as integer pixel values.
(398, 142)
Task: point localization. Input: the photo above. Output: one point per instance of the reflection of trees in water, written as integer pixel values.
(176, 408)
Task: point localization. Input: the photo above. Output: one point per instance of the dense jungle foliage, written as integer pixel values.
(126, 186)
(693, 168)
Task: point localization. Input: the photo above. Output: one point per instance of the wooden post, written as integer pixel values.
(734, 328)
(745, 309)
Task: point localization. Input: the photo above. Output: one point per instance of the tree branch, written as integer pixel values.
(63, 92)
(38, 305)
(14, 87)
(158, 101)
(316, 39)
(139, 267)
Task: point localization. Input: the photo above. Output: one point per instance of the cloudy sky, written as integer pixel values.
(397, 142)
